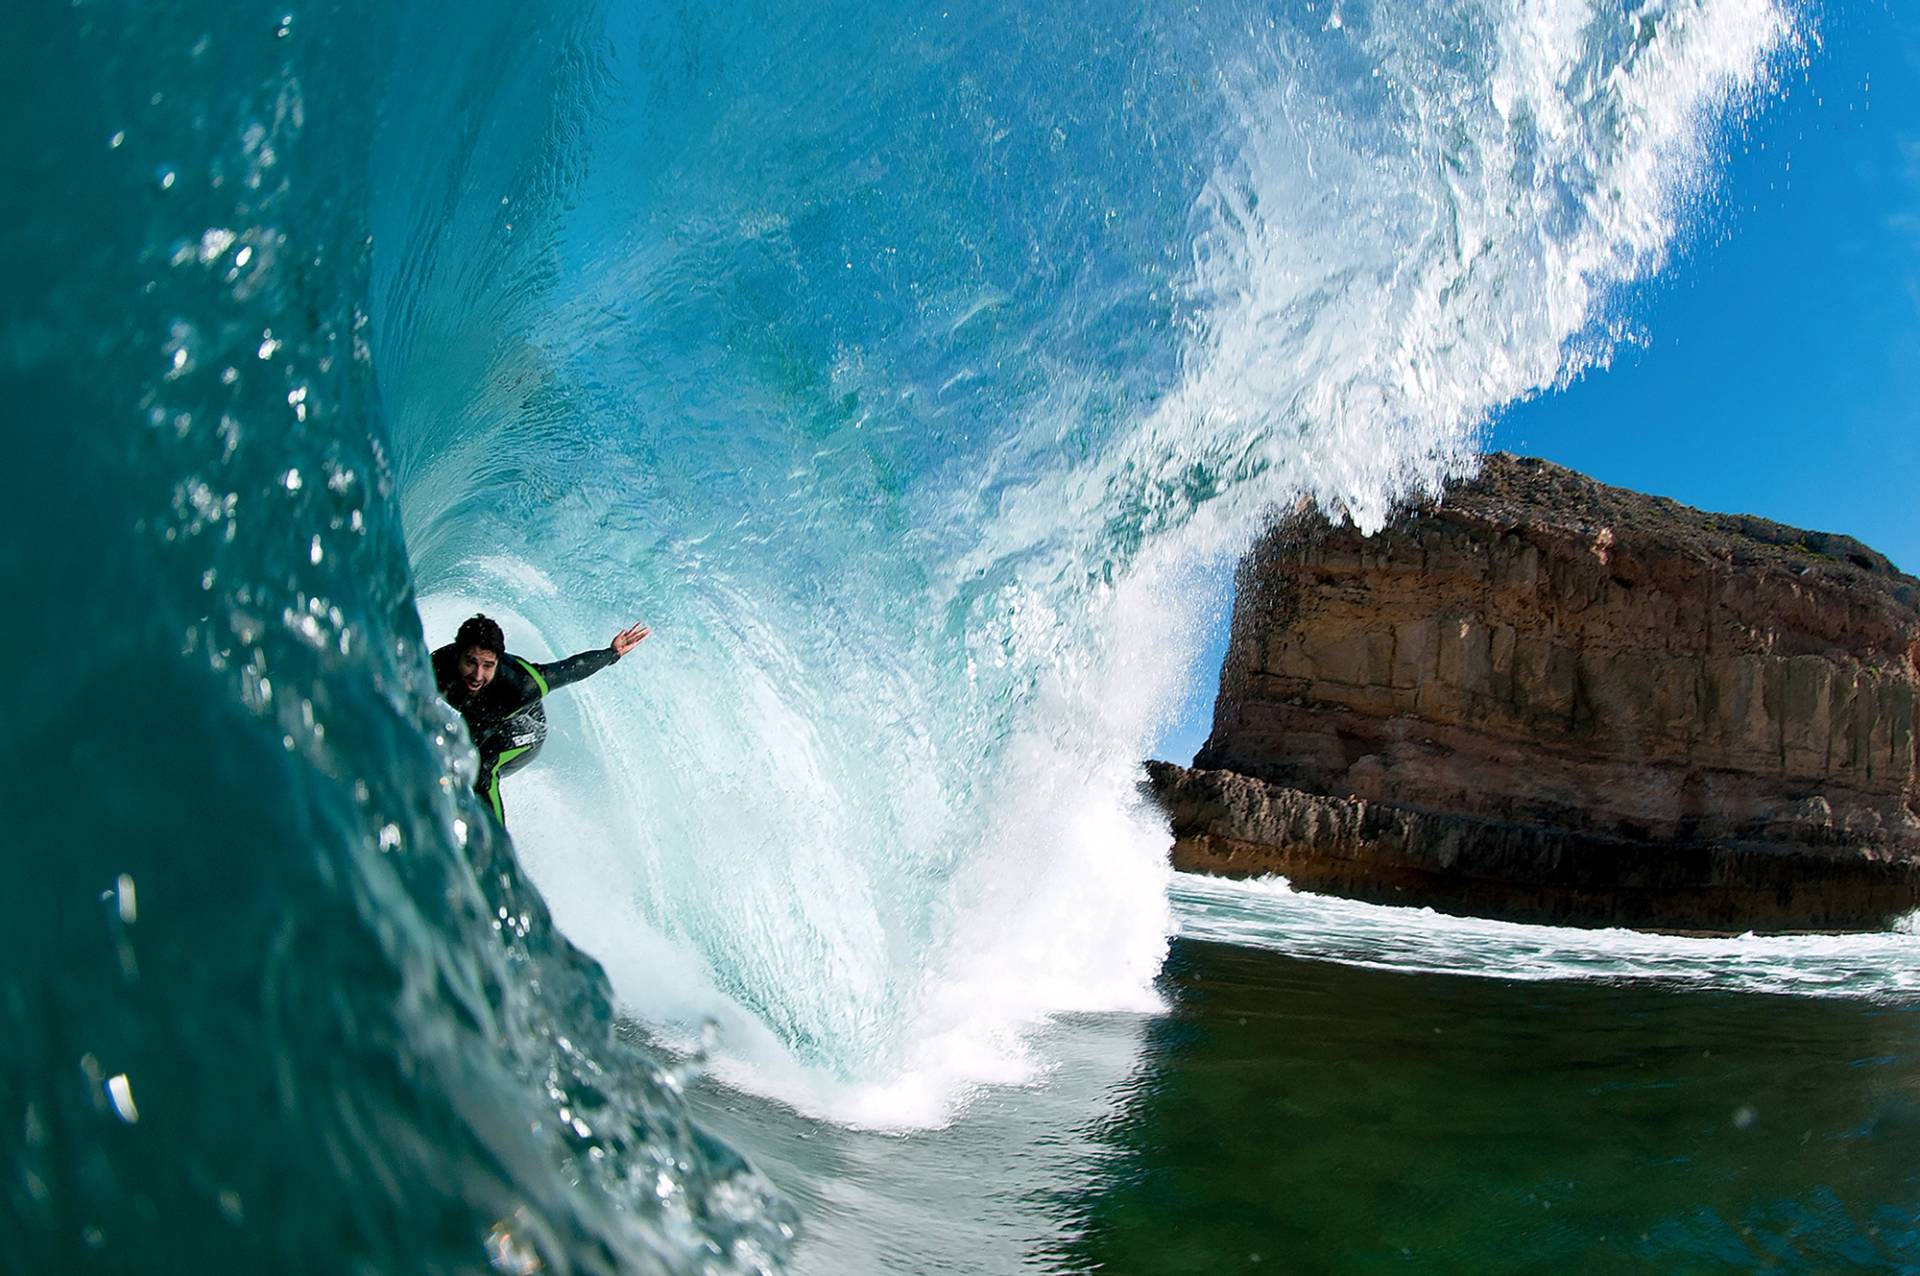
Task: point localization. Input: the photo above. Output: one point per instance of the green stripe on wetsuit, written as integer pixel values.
(493, 780)
(538, 681)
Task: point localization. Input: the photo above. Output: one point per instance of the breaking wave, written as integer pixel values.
(913, 372)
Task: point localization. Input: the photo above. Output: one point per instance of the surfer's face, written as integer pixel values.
(476, 667)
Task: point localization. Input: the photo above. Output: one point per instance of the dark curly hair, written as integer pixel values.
(483, 633)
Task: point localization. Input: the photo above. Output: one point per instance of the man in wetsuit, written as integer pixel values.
(499, 695)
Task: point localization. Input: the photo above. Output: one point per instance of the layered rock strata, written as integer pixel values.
(1543, 698)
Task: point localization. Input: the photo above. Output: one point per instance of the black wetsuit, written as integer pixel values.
(505, 717)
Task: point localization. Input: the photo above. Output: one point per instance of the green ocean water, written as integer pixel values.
(1303, 1115)
(1317, 1117)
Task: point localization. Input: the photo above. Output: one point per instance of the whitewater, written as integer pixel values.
(917, 374)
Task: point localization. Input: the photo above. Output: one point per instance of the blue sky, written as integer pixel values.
(1780, 374)
(1778, 367)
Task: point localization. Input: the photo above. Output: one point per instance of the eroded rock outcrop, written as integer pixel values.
(1548, 699)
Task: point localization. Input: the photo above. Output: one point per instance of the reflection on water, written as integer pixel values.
(1311, 1115)
(1322, 1117)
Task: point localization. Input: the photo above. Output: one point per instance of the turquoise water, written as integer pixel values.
(917, 375)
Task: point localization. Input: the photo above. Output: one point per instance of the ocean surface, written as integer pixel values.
(1341, 1087)
(917, 373)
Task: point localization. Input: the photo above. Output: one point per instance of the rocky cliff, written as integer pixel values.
(1548, 699)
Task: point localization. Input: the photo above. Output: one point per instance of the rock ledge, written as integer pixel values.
(1546, 699)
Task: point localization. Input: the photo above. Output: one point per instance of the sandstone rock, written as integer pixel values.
(1548, 698)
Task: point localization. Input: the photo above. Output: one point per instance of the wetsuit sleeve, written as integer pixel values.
(561, 673)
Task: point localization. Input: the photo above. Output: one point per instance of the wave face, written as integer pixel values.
(914, 373)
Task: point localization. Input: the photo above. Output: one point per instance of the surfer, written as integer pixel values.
(499, 695)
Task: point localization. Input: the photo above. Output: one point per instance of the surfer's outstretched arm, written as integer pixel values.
(560, 673)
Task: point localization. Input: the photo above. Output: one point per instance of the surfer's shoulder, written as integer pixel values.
(524, 674)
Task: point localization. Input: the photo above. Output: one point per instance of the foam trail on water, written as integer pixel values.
(1268, 913)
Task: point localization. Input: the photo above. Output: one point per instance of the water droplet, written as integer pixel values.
(120, 1090)
(214, 241)
(179, 350)
(507, 1253)
(229, 1203)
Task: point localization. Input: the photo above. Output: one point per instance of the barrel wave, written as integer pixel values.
(916, 372)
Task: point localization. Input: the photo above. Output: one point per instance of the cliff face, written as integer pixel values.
(1642, 685)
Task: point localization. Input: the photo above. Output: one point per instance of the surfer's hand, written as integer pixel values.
(629, 638)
